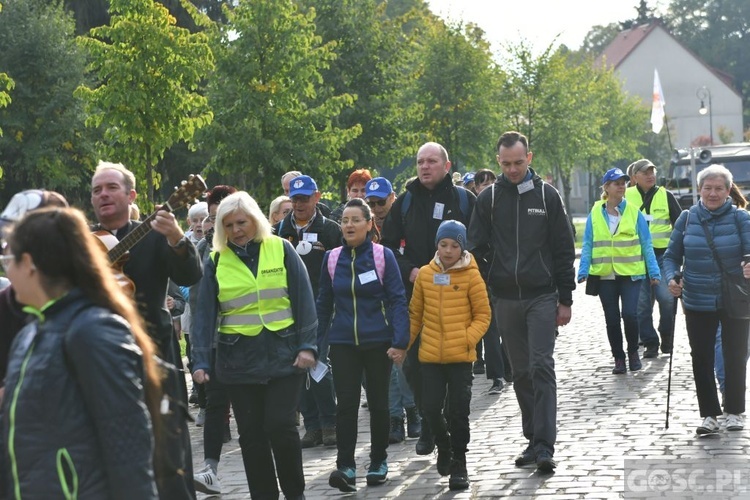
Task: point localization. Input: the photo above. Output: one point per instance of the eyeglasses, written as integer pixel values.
(6, 260)
(377, 203)
(300, 198)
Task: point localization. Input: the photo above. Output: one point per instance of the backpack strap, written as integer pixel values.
(333, 258)
(463, 201)
(378, 254)
(405, 204)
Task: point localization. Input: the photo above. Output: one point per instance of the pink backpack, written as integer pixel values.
(378, 256)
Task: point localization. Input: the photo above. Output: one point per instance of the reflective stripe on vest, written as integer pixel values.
(660, 225)
(620, 252)
(248, 303)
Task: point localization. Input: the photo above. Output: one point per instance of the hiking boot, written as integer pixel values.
(413, 422)
(193, 399)
(619, 368)
(652, 351)
(497, 386)
(545, 462)
(426, 442)
(312, 439)
(444, 457)
(459, 479)
(200, 419)
(397, 430)
(205, 481)
(634, 362)
(478, 368)
(376, 473)
(343, 478)
(734, 422)
(329, 436)
(527, 457)
(709, 426)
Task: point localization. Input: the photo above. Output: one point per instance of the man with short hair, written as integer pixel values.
(521, 229)
(312, 235)
(661, 209)
(162, 254)
(410, 229)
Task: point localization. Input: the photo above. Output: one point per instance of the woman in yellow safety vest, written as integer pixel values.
(617, 252)
(256, 288)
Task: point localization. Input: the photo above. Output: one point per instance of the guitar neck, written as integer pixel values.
(134, 236)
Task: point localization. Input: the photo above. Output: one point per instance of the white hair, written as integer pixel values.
(713, 171)
(244, 203)
(200, 209)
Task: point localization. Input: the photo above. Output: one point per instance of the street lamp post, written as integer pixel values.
(702, 93)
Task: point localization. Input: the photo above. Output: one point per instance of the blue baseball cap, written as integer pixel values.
(468, 178)
(613, 174)
(379, 187)
(303, 185)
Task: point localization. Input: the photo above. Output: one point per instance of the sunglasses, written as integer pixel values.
(377, 203)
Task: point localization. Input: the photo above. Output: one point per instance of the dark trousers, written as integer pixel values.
(455, 379)
(265, 415)
(413, 374)
(318, 404)
(216, 404)
(493, 351)
(611, 293)
(701, 329)
(349, 364)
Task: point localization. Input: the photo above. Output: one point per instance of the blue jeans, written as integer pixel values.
(399, 393)
(611, 293)
(659, 293)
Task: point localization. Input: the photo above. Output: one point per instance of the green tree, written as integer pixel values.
(718, 31)
(266, 92)
(6, 84)
(147, 95)
(371, 64)
(457, 91)
(45, 142)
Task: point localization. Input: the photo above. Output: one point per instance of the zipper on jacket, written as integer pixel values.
(354, 298)
(442, 325)
(64, 460)
(518, 245)
(546, 269)
(12, 430)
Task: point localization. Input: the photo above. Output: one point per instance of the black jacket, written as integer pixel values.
(527, 242)
(79, 412)
(418, 228)
(328, 236)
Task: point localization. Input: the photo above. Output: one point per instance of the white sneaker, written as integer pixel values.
(200, 419)
(205, 481)
(709, 426)
(734, 422)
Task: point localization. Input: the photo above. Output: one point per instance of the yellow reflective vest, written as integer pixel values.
(248, 303)
(659, 225)
(619, 252)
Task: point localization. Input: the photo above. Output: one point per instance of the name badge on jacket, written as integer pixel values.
(525, 186)
(441, 279)
(437, 212)
(367, 277)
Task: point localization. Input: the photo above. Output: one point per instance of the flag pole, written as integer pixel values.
(666, 124)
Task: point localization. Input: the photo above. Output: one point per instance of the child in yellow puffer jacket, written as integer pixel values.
(450, 311)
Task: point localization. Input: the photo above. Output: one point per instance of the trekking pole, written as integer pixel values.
(677, 278)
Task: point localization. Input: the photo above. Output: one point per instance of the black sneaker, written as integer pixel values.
(527, 457)
(479, 368)
(634, 362)
(444, 458)
(459, 479)
(343, 478)
(312, 439)
(619, 368)
(545, 462)
(426, 442)
(396, 435)
(497, 386)
(652, 351)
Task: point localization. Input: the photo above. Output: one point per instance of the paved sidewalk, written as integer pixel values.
(603, 420)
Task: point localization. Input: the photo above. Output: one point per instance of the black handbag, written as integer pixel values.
(592, 285)
(735, 290)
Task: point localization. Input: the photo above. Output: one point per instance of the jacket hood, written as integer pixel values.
(466, 261)
(506, 184)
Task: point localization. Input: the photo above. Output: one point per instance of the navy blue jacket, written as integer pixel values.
(74, 402)
(730, 229)
(364, 313)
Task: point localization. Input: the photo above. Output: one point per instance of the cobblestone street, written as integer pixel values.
(603, 419)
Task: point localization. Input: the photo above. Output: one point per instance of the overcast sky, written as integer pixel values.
(538, 21)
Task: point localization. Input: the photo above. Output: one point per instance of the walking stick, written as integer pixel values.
(677, 278)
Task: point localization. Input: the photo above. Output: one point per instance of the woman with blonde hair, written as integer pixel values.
(280, 207)
(82, 386)
(257, 286)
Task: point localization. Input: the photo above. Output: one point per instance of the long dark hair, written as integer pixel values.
(76, 260)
